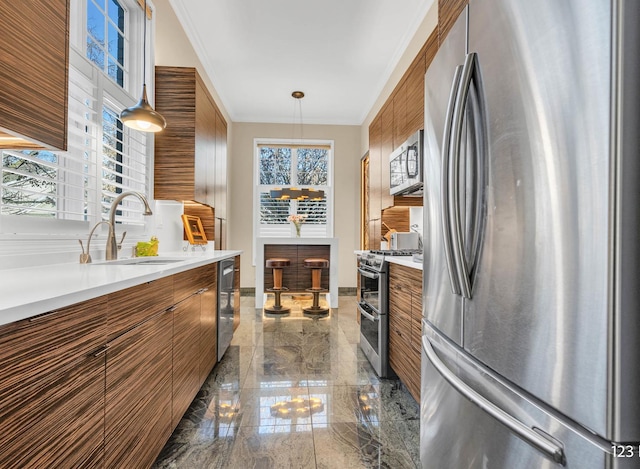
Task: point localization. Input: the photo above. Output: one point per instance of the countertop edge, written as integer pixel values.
(73, 285)
(407, 262)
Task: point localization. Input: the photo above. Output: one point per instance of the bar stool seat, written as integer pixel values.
(316, 265)
(277, 264)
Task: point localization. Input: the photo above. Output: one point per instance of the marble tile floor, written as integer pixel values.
(296, 392)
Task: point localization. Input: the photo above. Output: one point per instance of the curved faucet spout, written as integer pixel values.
(112, 245)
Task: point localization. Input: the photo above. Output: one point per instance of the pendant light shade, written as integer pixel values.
(142, 116)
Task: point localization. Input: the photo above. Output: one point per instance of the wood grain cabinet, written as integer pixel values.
(448, 12)
(195, 345)
(103, 383)
(34, 73)
(138, 379)
(186, 355)
(405, 334)
(189, 149)
(375, 183)
(52, 372)
(209, 321)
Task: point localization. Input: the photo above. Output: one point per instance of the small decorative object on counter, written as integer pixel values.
(194, 230)
(297, 221)
(147, 248)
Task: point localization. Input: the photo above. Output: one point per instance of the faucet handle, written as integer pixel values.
(121, 240)
(85, 258)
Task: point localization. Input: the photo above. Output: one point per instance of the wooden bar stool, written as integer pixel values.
(316, 265)
(277, 264)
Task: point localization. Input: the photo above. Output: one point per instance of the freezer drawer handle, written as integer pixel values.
(529, 435)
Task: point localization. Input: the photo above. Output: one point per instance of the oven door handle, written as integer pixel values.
(371, 275)
(367, 314)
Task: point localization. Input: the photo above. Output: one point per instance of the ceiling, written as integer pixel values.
(340, 53)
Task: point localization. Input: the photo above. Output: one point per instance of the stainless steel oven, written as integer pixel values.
(373, 310)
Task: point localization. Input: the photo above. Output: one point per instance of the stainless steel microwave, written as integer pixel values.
(405, 167)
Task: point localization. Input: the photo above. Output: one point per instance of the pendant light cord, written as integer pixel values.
(144, 46)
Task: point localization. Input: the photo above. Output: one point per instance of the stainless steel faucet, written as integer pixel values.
(112, 246)
(85, 258)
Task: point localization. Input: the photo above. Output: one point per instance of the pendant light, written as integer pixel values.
(142, 116)
(293, 193)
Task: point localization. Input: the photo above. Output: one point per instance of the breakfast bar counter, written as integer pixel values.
(297, 249)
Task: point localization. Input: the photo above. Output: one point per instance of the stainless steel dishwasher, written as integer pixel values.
(226, 269)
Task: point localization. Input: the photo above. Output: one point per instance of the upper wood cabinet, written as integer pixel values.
(220, 190)
(375, 182)
(188, 150)
(448, 12)
(387, 147)
(34, 74)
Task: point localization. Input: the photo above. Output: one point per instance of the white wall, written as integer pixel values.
(346, 190)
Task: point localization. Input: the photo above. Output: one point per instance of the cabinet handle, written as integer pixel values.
(101, 351)
(42, 316)
(170, 309)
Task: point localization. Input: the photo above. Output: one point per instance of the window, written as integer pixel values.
(106, 37)
(284, 165)
(104, 158)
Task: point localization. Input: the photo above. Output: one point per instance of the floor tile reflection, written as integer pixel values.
(296, 392)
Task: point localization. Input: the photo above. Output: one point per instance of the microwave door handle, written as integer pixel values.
(412, 174)
(454, 175)
(444, 195)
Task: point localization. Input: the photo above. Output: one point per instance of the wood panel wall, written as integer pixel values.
(297, 277)
(34, 76)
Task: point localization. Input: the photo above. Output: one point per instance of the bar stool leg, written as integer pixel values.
(277, 286)
(316, 288)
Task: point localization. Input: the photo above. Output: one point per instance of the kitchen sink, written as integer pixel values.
(142, 261)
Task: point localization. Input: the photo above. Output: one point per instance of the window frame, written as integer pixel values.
(259, 188)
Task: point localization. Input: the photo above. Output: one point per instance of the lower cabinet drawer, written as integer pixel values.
(138, 393)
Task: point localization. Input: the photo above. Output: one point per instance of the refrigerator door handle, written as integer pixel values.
(526, 433)
(446, 203)
(454, 174)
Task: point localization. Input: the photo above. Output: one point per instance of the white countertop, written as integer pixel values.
(407, 261)
(30, 291)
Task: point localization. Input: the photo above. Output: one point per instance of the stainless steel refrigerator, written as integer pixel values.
(531, 296)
